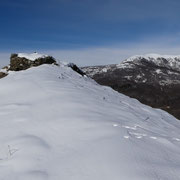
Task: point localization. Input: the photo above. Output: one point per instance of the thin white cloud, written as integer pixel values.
(110, 55)
(115, 54)
(101, 56)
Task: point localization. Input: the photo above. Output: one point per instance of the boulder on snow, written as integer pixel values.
(21, 63)
(77, 69)
(2, 74)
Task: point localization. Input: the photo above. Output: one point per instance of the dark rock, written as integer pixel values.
(21, 63)
(77, 69)
(45, 60)
(3, 75)
(13, 55)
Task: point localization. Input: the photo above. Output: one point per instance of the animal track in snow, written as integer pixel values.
(132, 132)
(137, 134)
(138, 137)
(153, 137)
(128, 127)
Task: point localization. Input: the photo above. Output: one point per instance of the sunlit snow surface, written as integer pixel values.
(32, 56)
(57, 125)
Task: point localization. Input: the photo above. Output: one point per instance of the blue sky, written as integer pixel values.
(78, 30)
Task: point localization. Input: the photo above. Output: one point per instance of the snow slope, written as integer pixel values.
(57, 125)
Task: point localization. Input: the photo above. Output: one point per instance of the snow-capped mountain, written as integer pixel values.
(57, 124)
(153, 79)
(167, 61)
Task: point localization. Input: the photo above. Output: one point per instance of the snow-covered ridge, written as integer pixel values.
(168, 61)
(32, 56)
(56, 124)
(153, 56)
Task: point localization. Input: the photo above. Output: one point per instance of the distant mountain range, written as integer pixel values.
(152, 79)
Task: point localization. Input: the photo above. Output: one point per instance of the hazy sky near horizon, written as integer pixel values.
(89, 32)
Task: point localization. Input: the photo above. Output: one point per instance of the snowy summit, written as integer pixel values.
(170, 61)
(32, 56)
(59, 125)
(155, 56)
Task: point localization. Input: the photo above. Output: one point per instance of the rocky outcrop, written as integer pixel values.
(22, 63)
(153, 80)
(76, 69)
(2, 74)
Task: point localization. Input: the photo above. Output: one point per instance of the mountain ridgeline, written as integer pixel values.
(59, 124)
(152, 79)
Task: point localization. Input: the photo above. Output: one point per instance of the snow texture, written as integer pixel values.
(58, 125)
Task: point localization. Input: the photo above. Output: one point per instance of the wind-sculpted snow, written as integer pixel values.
(57, 125)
